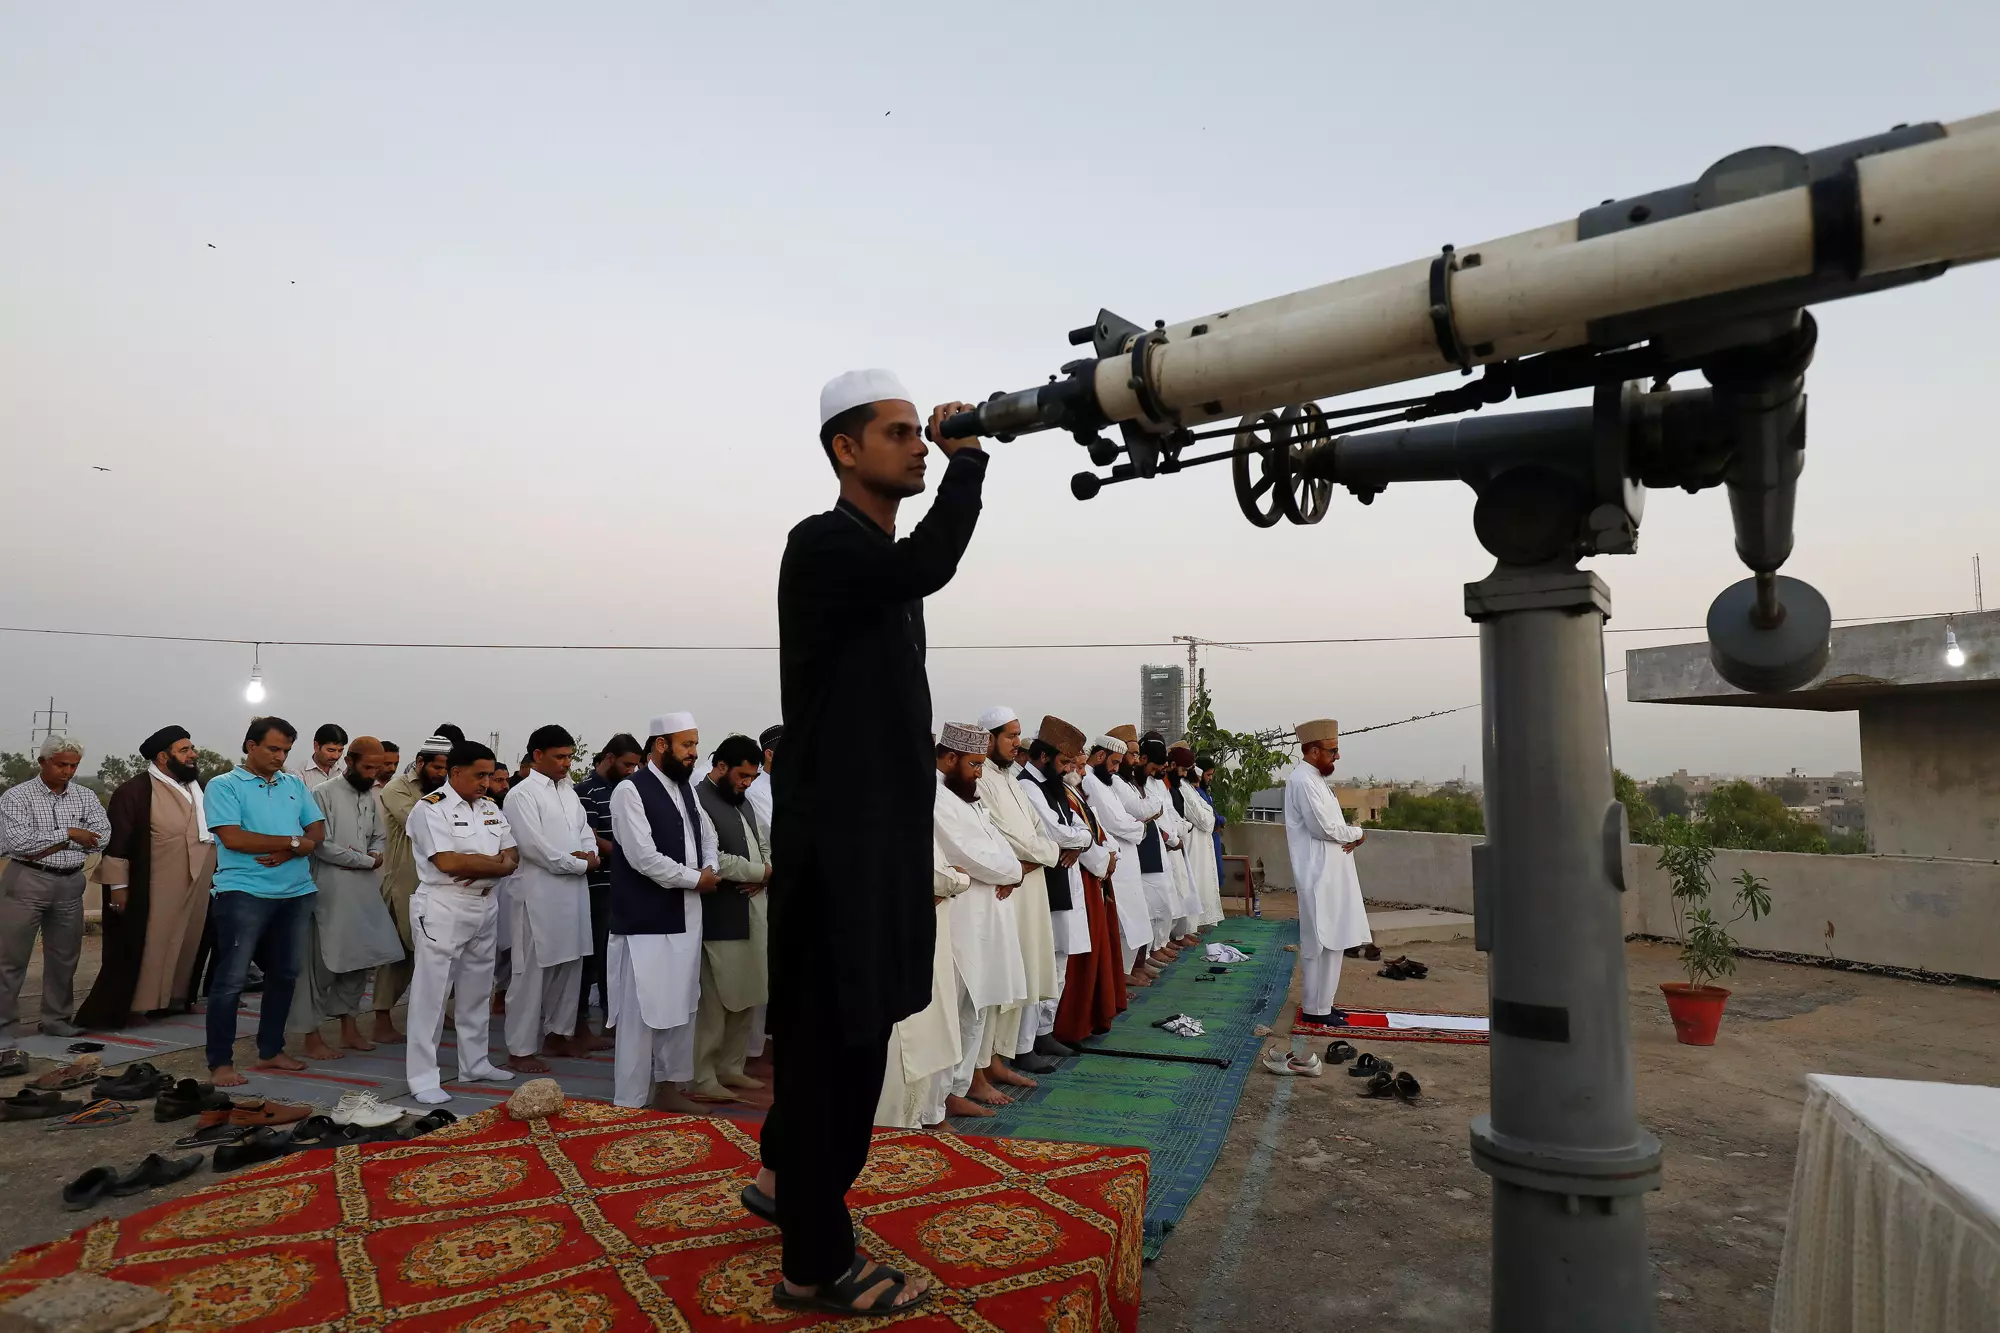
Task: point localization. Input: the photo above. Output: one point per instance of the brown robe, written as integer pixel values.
(1094, 988)
(155, 849)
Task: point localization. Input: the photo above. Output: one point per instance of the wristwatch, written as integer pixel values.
(295, 843)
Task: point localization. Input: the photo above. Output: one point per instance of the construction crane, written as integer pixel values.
(1195, 643)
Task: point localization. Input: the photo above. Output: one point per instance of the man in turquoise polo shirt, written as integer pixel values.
(267, 824)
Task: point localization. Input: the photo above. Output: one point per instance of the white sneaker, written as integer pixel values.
(364, 1109)
(489, 1072)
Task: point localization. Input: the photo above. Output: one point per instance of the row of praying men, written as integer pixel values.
(1065, 871)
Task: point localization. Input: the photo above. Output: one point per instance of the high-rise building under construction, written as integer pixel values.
(1163, 701)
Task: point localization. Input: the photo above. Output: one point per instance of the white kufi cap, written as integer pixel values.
(670, 724)
(997, 717)
(857, 387)
(1111, 743)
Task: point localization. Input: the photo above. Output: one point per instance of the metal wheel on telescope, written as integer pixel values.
(1304, 501)
(1260, 440)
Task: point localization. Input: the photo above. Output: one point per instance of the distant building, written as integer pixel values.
(1361, 804)
(1163, 701)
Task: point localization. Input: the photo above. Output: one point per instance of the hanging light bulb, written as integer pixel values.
(1954, 656)
(254, 691)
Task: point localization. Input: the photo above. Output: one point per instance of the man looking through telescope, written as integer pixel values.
(852, 925)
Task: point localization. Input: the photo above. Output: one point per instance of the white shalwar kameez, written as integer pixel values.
(1071, 928)
(1174, 834)
(655, 980)
(759, 796)
(1199, 844)
(453, 933)
(1006, 803)
(1157, 884)
(1332, 916)
(549, 901)
(985, 944)
(1128, 894)
(924, 1050)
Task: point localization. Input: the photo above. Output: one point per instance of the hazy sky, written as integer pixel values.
(516, 317)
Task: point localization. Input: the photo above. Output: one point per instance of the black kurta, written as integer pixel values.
(852, 925)
(130, 810)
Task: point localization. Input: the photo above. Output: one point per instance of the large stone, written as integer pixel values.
(536, 1099)
(86, 1303)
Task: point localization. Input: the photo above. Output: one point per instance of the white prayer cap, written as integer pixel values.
(857, 387)
(435, 745)
(1111, 743)
(997, 717)
(670, 724)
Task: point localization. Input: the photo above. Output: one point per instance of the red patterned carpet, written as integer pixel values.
(601, 1220)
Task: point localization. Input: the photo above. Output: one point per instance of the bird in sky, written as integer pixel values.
(211, 245)
(95, 468)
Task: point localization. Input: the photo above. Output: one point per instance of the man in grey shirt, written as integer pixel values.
(48, 826)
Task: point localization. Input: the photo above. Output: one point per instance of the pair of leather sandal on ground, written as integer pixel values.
(108, 1182)
(1404, 969)
(1383, 1080)
(320, 1131)
(843, 1295)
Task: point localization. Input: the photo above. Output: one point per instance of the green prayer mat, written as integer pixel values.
(1180, 1113)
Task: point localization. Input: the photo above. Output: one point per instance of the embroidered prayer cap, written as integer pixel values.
(768, 738)
(1067, 739)
(964, 739)
(1127, 733)
(670, 724)
(1324, 731)
(435, 745)
(1180, 754)
(1111, 743)
(856, 387)
(166, 738)
(998, 716)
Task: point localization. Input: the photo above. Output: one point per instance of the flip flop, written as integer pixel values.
(838, 1296)
(1368, 1064)
(97, 1115)
(154, 1172)
(1339, 1053)
(1380, 1086)
(424, 1124)
(1407, 1087)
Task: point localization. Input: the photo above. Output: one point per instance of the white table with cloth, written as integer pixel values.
(1895, 1221)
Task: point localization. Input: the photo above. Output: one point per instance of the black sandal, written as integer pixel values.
(1339, 1053)
(1407, 1088)
(1395, 972)
(1381, 1086)
(839, 1296)
(1411, 967)
(1368, 1064)
(758, 1204)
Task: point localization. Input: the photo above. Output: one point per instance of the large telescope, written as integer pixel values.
(1713, 276)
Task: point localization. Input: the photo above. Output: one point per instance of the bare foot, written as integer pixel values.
(385, 1030)
(767, 1182)
(585, 1042)
(1013, 1078)
(351, 1038)
(281, 1063)
(1139, 979)
(671, 1099)
(986, 1094)
(225, 1076)
(965, 1106)
(317, 1049)
(558, 1048)
(525, 1064)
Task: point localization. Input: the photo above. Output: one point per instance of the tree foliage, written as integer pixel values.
(16, 769)
(1245, 763)
(1641, 819)
(1440, 812)
(1670, 798)
(1740, 815)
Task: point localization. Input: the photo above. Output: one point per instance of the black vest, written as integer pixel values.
(1055, 877)
(638, 905)
(1150, 861)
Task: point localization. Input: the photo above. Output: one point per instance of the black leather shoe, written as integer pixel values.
(154, 1172)
(35, 1104)
(1053, 1049)
(259, 1145)
(85, 1191)
(1034, 1064)
(187, 1098)
(136, 1083)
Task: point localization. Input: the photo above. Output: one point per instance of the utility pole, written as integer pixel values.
(1978, 591)
(48, 722)
(1195, 643)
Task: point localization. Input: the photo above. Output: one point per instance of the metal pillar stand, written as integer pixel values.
(1562, 1142)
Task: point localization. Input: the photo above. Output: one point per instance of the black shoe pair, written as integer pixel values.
(36, 1104)
(107, 1181)
(259, 1145)
(136, 1083)
(188, 1097)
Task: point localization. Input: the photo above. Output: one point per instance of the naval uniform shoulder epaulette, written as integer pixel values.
(433, 798)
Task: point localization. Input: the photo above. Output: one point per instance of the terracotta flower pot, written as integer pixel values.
(1696, 1010)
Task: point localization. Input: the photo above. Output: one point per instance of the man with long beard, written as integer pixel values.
(1332, 916)
(663, 860)
(735, 929)
(852, 914)
(1077, 923)
(1124, 833)
(1009, 806)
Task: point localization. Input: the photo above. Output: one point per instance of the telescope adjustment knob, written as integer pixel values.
(1761, 657)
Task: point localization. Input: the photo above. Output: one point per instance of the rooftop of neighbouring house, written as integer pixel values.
(1897, 657)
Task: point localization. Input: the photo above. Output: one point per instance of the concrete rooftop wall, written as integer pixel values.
(1941, 916)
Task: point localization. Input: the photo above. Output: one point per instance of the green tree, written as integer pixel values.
(16, 769)
(1641, 819)
(114, 771)
(1245, 763)
(1740, 815)
(1789, 790)
(211, 765)
(1441, 812)
(1850, 842)
(1669, 798)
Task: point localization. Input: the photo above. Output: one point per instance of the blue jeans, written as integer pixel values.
(243, 923)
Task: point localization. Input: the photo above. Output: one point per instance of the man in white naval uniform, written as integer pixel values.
(663, 858)
(1332, 916)
(463, 846)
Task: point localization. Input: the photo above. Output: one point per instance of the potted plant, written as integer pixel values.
(1708, 951)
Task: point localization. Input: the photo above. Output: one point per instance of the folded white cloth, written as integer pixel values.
(1226, 953)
